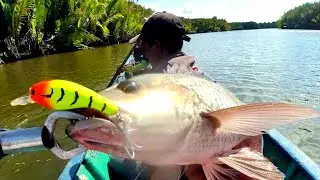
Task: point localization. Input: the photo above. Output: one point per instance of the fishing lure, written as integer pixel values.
(66, 95)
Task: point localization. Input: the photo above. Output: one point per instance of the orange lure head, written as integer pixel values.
(41, 93)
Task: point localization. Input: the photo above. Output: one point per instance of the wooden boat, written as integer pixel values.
(290, 160)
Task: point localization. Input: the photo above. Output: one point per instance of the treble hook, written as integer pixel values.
(50, 124)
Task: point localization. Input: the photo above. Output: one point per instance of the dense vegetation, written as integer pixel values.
(252, 25)
(202, 25)
(37, 27)
(306, 16)
(32, 28)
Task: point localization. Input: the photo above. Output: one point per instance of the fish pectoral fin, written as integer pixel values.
(215, 170)
(172, 172)
(255, 119)
(253, 165)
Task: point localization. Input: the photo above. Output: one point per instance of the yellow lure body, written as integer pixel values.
(67, 95)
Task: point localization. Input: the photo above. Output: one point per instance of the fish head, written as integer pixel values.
(152, 117)
(40, 93)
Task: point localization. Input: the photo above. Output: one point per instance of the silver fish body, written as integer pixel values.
(167, 122)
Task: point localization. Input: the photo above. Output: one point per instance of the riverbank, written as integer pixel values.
(306, 16)
(5, 58)
(47, 49)
(34, 28)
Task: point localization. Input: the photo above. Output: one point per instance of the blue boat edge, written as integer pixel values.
(299, 160)
(71, 169)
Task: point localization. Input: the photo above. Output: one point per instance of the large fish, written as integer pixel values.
(174, 119)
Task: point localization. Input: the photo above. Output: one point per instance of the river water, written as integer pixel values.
(257, 65)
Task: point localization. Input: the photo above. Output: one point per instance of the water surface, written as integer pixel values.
(257, 65)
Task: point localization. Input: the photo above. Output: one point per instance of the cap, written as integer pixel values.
(162, 26)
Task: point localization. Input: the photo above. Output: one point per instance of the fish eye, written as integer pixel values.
(128, 86)
(33, 92)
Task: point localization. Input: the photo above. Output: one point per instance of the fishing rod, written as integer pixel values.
(25, 140)
(117, 73)
(38, 138)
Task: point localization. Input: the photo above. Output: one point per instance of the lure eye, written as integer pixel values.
(33, 92)
(128, 86)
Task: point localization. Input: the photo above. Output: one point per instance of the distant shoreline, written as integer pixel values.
(31, 56)
(124, 42)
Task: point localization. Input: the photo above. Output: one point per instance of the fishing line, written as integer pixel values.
(142, 168)
(182, 172)
(130, 144)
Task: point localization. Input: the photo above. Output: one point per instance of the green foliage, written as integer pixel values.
(17, 15)
(71, 23)
(84, 18)
(306, 16)
(266, 25)
(38, 19)
(252, 25)
(132, 21)
(202, 25)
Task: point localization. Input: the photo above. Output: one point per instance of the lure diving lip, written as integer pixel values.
(23, 100)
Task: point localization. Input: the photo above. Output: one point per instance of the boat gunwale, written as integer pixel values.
(297, 155)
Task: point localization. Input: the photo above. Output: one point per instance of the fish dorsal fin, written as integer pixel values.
(254, 119)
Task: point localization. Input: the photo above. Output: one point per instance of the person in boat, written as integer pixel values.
(161, 41)
(138, 65)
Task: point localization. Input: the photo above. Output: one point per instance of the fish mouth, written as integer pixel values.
(97, 132)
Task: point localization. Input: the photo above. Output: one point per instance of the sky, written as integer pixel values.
(231, 10)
